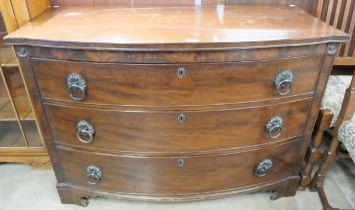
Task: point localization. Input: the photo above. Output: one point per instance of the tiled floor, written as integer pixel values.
(24, 188)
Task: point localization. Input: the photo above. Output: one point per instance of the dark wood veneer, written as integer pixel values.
(159, 85)
(178, 53)
(134, 97)
(166, 27)
(163, 177)
(160, 132)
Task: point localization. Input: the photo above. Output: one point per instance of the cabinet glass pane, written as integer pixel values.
(10, 133)
(22, 104)
(31, 133)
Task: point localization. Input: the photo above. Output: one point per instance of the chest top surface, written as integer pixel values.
(148, 27)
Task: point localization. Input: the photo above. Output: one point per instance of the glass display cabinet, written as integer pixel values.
(20, 139)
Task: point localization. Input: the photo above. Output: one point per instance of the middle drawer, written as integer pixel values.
(190, 131)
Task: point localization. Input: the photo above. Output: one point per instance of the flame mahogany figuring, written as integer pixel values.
(164, 135)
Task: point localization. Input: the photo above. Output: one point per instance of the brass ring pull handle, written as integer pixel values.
(93, 174)
(263, 168)
(283, 82)
(274, 127)
(76, 85)
(85, 132)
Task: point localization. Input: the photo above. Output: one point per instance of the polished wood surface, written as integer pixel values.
(160, 132)
(159, 85)
(309, 6)
(66, 3)
(139, 139)
(164, 177)
(147, 27)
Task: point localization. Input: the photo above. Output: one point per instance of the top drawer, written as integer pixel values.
(175, 84)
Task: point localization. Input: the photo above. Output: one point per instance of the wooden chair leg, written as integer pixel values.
(324, 200)
(323, 122)
(318, 179)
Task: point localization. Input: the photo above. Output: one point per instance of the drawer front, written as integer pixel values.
(178, 175)
(174, 84)
(177, 131)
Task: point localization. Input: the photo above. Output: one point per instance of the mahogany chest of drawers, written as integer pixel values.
(176, 103)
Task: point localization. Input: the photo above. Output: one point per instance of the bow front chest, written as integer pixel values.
(176, 103)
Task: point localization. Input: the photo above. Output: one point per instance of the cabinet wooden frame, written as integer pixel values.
(25, 145)
(26, 152)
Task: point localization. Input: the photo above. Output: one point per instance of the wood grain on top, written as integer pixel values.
(118, 26)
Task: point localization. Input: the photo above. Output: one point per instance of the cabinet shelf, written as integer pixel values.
(12, 139)
(7, 112)
(7, 57)
(10, 135)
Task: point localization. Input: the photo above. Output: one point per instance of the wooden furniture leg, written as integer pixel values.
(346, 112)
(314, 154)
(286, 189)
(70, 196)
(324, 200)
(318, 179)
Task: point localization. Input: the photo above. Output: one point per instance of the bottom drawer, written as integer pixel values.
(178, 175)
